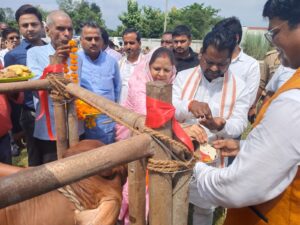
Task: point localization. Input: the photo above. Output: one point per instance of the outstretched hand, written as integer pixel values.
(200, 109)
(228, 147)
(196, 132)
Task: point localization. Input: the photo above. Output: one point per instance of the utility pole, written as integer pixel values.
(166, 16)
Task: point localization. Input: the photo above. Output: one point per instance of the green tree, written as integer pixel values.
(131, 18)
(152, 22)
(81, 12)
(7, 15)
(43, 12)
(197, 17)
(148, 20)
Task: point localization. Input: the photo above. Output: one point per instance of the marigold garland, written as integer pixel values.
(85, 111)
(73, 76)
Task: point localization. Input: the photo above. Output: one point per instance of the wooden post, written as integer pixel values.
(60, 126)
(32, 85)
(160, 187)
(137, 192)
(60, 117)
(38, 180)
(181, 197)
(72, 124)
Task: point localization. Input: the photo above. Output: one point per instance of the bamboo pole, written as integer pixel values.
(72, 124)
(160, 187)
(181, 197)
(38, 180)
(32, 85)
(60, 117)
(127, 116)
(137, 192)
(60, 126)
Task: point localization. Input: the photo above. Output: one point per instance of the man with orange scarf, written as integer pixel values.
(264, 177)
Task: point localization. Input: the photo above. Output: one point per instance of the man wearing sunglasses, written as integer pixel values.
(11, 38)
(265, 174)
(185, 57)
(167, 40)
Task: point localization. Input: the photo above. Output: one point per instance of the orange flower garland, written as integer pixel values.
(73, 76)
(85, 111)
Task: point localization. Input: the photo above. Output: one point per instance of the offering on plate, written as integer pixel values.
(15, 71)
(207, 153)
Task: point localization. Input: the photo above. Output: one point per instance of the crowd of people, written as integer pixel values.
(216, 93)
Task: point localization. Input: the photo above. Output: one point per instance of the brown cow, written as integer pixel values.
(100, 195)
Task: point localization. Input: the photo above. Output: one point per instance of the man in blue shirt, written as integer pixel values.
(31, 28)
(60, 30)
(100, 74)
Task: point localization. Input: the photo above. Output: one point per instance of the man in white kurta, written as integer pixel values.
(243, 183)
(132, 47)
(211, 95)
(242, 65)
(269, 158)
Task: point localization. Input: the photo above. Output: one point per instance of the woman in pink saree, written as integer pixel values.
(157, 65)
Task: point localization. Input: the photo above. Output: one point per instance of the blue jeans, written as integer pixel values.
(104, 132)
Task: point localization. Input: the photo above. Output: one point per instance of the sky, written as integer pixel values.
(249, 12)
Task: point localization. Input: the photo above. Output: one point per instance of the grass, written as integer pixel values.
(22, 159)
(256, 45)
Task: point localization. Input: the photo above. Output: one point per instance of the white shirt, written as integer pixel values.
(2, 54)
(266, 164)
(247, 68)
(281, 75)
(126, 70)
(211, 93)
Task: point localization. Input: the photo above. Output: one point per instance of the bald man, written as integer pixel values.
(59, 28)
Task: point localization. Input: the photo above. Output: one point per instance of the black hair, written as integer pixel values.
(162, 51)
(91, 24)
(132, 30)
(167, 32)
(222, 39)
(283, 9)
(105, 36)
(233, 24)
(182, 30)
(8, 31)
(28, 9)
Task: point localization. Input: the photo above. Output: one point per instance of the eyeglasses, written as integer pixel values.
(14, 37)
(270, 34)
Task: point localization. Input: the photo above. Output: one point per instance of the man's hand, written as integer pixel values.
(215, 123)
(196, 132)
(200, 109)
(252, 114)
(228, 147)
(62, 51)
